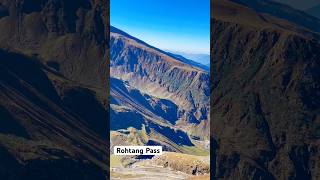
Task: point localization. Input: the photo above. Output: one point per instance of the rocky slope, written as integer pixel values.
(157, 98)
(300, 18)
(265, 96)
(54, 112)
(163, 76)
(149, 116)
(70, 37)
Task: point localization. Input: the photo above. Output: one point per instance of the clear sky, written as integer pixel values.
(177, 25)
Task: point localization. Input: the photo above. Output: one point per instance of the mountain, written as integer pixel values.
(157, 98)
(203, 59)
(54, 108)
(283, 11)
(158, 88)
(173, 55)
(200, 58)
(264, 94)
(314, 11)
(194, 62)
(156, 73)
(152, 116)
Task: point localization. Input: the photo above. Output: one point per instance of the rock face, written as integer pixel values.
(162, 76)
(54, 109)
(265, 96)
(190, 164)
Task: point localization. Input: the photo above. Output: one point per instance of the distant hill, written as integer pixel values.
(203, 59)
(200, 58)
(183, 58)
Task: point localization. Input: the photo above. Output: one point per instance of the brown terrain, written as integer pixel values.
(54, 109)
(157, 98)
(158, 74)
(169, 166)
(151, 87)
(265, 96)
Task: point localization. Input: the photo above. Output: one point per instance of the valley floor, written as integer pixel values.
(146, 173)
(169, 166)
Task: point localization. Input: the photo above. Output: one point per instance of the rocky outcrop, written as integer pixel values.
(193, 165)
(265, 96)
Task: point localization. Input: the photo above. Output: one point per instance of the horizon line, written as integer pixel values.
(204, 52)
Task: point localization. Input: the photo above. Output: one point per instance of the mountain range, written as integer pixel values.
(157, 98)
(264, 115)
(158, 89)
(284, 12)
(264, 91)
(54, 106)
(203, 59)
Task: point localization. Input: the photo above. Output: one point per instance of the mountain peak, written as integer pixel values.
(172, 57)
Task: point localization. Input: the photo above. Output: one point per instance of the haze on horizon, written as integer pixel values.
(180, 25)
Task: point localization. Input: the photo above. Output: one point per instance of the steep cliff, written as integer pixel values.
(265, 96)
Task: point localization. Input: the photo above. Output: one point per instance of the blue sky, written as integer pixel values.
(176, 25)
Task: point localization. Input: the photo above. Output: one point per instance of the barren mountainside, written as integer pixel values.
(157, 98)
(265, 96)
(161, 75)
(54, 109)
(283, 11)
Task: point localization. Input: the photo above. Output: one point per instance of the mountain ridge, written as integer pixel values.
(150, 74)
(157, 98)
(156, 73)
(256, 133)
(172, 55)
(283, 11)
